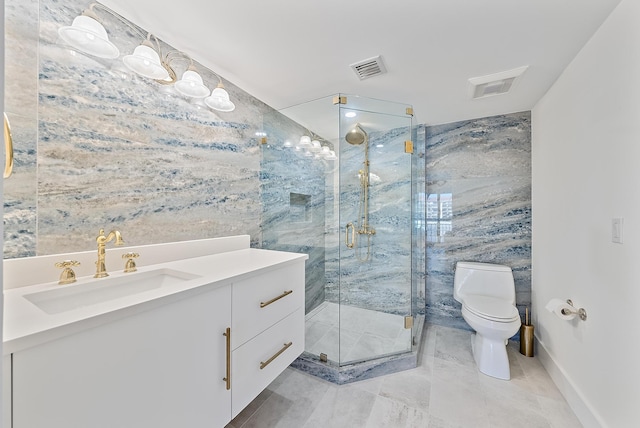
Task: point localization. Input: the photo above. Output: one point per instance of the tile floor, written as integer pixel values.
(445, 391)
(364, 333)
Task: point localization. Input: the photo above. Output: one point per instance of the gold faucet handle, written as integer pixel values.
(68, 275)
(130, 265)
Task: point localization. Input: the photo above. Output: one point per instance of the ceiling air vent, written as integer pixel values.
(369, 67)
(494, 84)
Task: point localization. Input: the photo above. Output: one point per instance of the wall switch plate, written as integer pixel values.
(616, 230)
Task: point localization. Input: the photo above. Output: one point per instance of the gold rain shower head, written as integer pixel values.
(356, 135)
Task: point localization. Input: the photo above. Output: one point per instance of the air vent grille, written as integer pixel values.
(369, 67)
(494, 84)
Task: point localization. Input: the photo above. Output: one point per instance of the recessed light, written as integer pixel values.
(350, 114)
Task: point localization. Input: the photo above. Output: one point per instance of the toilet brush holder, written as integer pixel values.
(526, 337)
(526, 340)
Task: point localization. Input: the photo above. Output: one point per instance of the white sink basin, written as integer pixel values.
(66, 298)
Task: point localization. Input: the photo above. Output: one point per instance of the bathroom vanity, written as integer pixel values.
(185, 342)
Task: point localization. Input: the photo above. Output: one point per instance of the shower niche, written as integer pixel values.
(356, 168)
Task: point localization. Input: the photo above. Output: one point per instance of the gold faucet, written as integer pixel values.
(101, 270)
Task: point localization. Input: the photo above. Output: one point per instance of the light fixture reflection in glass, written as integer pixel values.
(350, 114)
(305, 141)
(315, 146)
(287, 144)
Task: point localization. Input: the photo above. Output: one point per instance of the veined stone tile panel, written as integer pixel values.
(478, 206)
(488, 147)
(117, 150)
(20, 104)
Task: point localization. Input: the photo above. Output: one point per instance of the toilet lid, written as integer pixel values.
(491, 308)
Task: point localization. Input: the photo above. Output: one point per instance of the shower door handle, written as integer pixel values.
(353, 235)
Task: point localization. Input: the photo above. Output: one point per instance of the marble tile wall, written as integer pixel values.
(293, 202)
(479, 171)
(21, 108)
(114, 150)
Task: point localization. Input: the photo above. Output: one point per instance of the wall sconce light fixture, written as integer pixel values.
(86, 34)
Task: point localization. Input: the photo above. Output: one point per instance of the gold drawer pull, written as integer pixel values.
(286, 293)
(276, 355)
(228, 378)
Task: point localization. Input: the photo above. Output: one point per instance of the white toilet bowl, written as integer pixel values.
(492, 332)
(487, 294)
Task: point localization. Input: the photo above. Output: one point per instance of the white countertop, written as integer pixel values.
(26, 325)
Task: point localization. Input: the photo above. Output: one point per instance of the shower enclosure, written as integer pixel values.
(343, 180)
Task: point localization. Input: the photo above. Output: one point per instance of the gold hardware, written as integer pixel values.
(339, 100)
(409, 111)
(276, 355)
(68, 275)
(130, 265)
(353, 235)
(408, 146)
(323, 357)
(263, 140)
(267, 303)
(8, 148)
(227, 379)
(408, 322)
(101, 240)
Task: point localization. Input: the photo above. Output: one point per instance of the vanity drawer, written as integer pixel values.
(258, 362)
(261, 301)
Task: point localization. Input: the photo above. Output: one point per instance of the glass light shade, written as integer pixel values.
(89, 36)
(305, 141)
(219, 100)
(145, 61)
(308, 154)
(331, 156)
(315, 146)
(191, 85)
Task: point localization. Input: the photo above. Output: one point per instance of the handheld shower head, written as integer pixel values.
(356, 135)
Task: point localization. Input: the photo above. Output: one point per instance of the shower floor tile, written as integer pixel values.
(445, 390)
(365, 333)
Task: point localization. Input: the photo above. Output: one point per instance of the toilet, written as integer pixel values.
(488, 296)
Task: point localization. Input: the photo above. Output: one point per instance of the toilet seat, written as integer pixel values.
(491, 308)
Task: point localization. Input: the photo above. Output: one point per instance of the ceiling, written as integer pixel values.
(287, 52)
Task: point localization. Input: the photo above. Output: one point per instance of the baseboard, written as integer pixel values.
(583, 410)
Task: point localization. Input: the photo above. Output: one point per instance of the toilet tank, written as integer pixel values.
(483, 279)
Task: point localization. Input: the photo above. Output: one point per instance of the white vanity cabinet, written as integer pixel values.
(159, 368)
(192, 357)
(268, 330)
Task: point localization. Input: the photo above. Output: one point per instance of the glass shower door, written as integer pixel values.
(375, 227)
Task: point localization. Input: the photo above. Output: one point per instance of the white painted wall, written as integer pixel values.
(586, 170)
